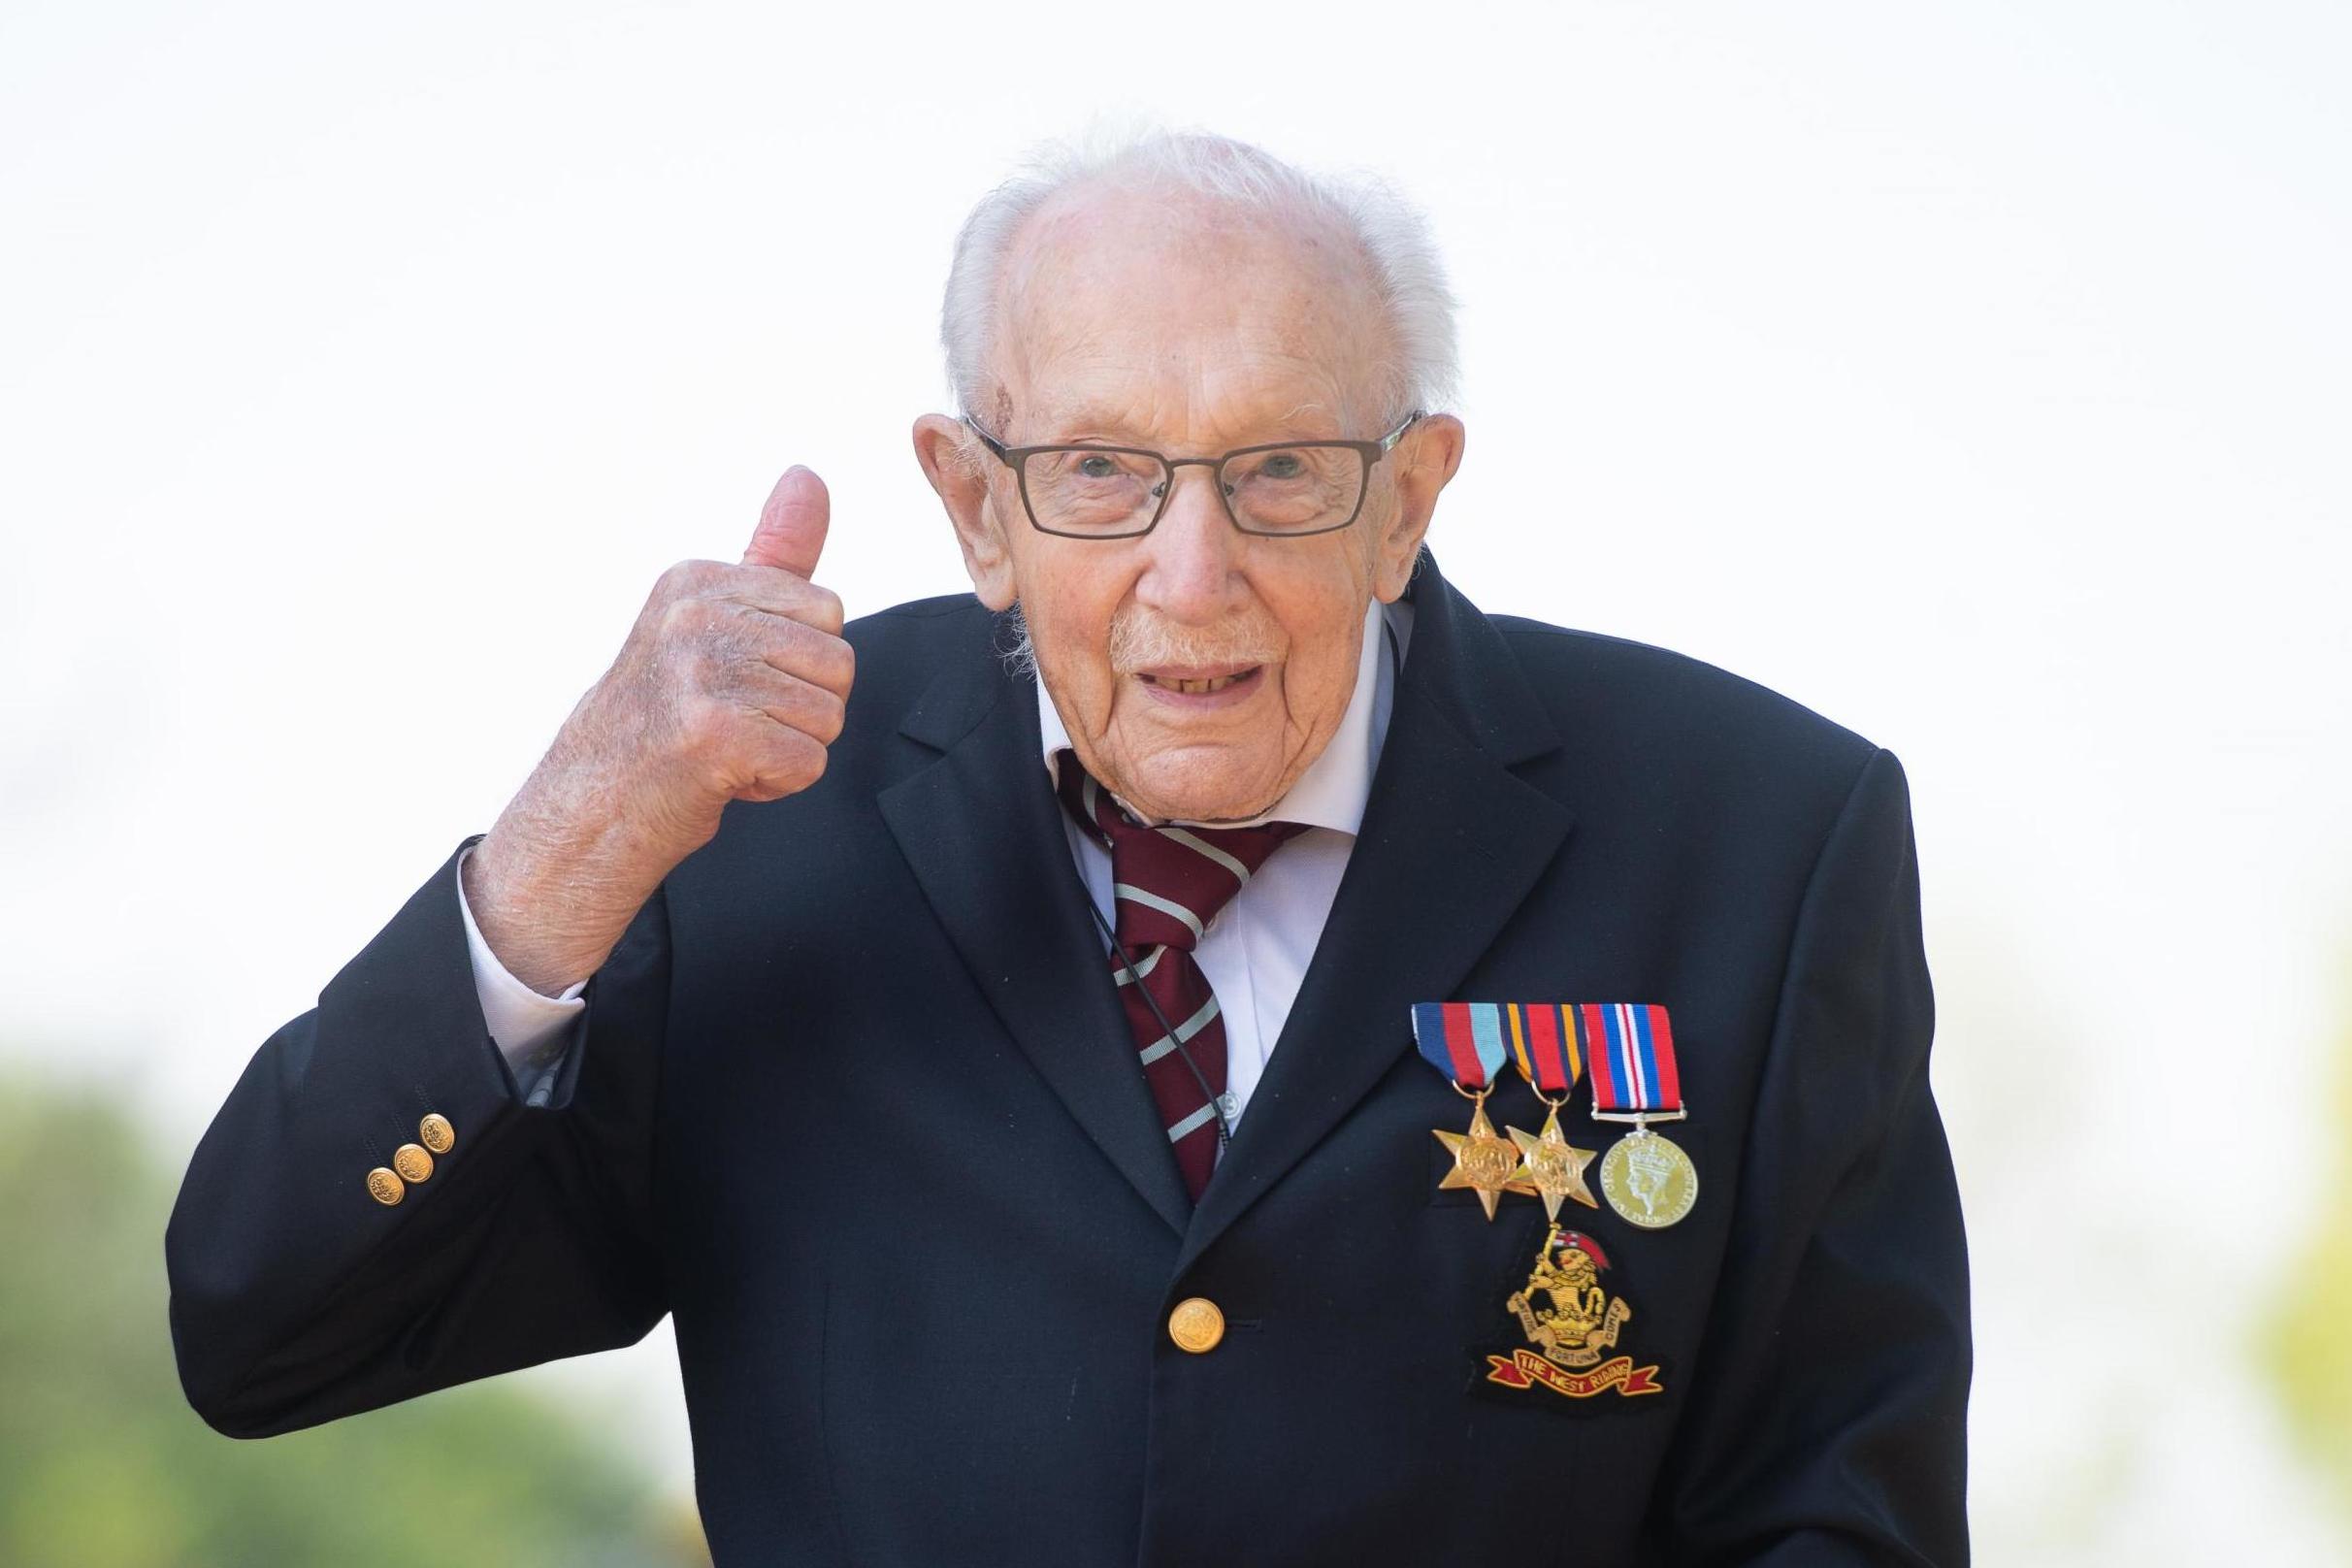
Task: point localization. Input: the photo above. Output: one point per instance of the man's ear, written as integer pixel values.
(1425, 461)
(957, 467)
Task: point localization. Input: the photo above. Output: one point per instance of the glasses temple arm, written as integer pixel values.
(1001, 451)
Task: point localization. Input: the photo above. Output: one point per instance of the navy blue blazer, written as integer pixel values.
(855, 1102)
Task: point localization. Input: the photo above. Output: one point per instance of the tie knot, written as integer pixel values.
(1168, 882)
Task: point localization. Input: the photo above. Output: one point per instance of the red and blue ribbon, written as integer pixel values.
(1631, 1048)
(1463, 1041)
(1627, 1046)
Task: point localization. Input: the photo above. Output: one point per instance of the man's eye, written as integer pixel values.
(1097, 467)
(1282, 466)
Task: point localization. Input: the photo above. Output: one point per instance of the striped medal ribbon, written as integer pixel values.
(1545, 1049)
(1647, 1177)
(1464, 1042)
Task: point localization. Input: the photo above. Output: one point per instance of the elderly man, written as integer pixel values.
(1083, 951)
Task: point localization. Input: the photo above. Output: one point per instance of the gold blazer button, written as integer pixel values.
(436, 1133)
(385, 1187)
(1196, 1325)
(412, 1163)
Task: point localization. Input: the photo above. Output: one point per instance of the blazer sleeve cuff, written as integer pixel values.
(530, 1030)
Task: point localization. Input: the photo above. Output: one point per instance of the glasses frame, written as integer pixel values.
(1017, 459)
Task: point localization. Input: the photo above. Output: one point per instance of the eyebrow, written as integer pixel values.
(1098, 417)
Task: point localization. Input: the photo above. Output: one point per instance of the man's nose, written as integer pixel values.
(1189, 575)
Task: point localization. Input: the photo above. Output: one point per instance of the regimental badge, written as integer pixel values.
(1572, 1322)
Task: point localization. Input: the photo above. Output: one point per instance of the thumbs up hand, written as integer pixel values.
(730, 687)
(756, 655)
(791, 525)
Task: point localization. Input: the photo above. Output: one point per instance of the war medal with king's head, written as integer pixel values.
(1464, 1042)
(1647, 1177)
(1544, 1048)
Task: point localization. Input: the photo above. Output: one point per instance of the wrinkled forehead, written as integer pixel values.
(1169, 316)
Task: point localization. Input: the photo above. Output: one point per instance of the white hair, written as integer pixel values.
(1399, 257)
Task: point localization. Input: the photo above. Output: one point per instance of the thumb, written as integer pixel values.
(791, 525)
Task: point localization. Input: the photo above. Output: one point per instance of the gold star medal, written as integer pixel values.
(1482, 1161)
(1463, 1041)
(1550, 1167)
(1544, 1048)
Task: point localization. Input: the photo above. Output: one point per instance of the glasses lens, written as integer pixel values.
(1074, 490)
(1293, 489)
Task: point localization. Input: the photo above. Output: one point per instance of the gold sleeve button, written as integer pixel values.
(1196, 1325)
(385, 1187)
(412, 1163)
(436, 1133)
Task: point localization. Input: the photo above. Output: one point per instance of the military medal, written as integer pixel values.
(1544, 1048)
(1464, 1042)
(1647, 1177)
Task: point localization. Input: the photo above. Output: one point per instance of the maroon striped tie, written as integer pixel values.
(1167, 884)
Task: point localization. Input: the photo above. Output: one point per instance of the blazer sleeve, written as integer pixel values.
(1828, 1407)
(297, 1296)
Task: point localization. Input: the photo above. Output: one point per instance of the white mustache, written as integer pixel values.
(1139, 641)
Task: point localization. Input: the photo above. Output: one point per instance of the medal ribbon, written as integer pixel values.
(1544, 1044)
(1631, 1048)
(1463, 1041)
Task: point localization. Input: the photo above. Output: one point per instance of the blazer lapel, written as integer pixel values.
(1452, 843)
(995, 864)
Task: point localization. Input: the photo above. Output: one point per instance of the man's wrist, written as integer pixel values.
(492, 974)
(552, 913)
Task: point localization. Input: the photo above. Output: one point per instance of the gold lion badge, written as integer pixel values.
(1571, 1321)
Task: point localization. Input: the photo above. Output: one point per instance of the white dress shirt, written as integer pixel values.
(1254, 953)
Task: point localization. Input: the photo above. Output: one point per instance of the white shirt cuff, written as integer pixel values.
(530, 1030)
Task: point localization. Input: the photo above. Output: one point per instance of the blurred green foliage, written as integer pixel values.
(2306, 1347)
(103, 1466)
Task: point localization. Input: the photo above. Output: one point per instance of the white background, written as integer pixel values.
(1974, 374)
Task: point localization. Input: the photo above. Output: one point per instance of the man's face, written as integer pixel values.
(1200, 670)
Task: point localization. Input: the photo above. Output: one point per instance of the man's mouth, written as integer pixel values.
(1198, 682)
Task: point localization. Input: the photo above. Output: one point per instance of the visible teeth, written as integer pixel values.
(1197, 688)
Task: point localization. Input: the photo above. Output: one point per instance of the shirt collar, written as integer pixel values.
(1332, 790)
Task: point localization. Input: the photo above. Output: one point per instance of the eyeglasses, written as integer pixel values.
(1283, 489)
